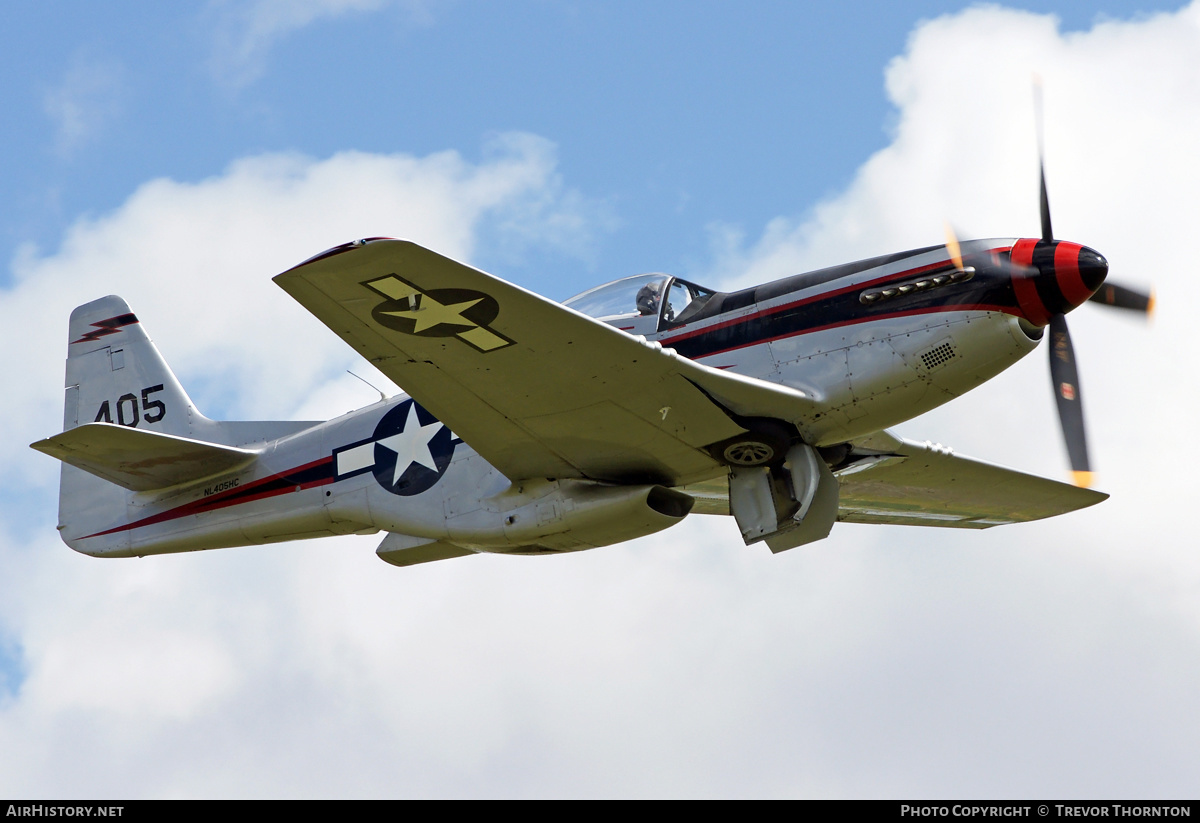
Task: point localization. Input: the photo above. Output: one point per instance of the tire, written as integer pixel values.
(749, 452)
(762, 446)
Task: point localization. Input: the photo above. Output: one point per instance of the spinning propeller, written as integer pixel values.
(1050, 278)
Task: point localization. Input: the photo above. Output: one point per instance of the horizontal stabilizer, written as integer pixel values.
(141, 460)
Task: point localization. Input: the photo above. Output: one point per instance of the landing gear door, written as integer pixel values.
(788, 505)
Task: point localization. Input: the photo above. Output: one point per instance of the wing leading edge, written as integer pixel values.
(535, 388)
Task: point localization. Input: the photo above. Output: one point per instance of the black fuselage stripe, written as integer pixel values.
(841, 309)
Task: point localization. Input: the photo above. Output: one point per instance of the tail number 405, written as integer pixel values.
(127, 409)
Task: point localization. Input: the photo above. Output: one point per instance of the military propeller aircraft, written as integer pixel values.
(533, 427)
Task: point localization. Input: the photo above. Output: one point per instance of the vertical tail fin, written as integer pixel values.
(115, 374)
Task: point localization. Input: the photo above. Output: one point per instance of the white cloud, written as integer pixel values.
(1121, 174)
(246, 30)
(1072, 628)
(112, 666)
(87, 98)
(1056, 658)
(196, 259)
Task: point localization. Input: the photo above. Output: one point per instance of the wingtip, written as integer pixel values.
(45, 445)
(330, 252)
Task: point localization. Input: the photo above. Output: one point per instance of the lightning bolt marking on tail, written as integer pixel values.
(106, 327)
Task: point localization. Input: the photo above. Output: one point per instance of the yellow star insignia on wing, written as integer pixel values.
(430, 313)
(431, 317)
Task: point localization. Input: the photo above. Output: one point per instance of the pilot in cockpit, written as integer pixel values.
(649, 297)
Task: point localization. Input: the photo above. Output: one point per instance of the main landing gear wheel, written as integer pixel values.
(749, 453)
(762, 446)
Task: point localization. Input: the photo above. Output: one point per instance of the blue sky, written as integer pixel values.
(182, 154)
(671, 116)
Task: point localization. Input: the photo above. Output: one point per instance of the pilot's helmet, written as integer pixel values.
(648, 297)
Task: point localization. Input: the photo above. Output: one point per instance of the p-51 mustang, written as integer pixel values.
(531, 427)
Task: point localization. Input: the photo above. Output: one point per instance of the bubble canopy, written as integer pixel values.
(642, 296)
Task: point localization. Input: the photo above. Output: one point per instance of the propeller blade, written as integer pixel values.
(1007, 266)
(953, 248)
(1065, 376)
(1121, 297)
(994, 261)
(1047, 230)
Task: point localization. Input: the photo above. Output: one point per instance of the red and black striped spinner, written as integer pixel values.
(1057, 276)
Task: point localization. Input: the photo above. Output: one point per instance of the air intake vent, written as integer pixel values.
(939, 355)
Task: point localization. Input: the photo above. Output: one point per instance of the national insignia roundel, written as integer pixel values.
(412, 449)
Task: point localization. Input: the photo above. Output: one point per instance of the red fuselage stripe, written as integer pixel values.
(278, 484)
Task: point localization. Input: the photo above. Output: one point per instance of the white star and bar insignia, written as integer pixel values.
(400, 442)
(412, 444)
